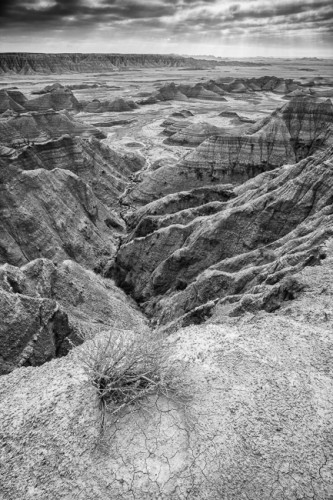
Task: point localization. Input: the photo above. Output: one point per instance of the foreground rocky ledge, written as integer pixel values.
(261, 404)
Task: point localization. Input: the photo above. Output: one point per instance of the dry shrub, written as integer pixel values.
(126, 368)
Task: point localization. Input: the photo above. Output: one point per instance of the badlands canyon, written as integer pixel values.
(181, 199)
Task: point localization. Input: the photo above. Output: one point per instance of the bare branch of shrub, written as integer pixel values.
(126, 368)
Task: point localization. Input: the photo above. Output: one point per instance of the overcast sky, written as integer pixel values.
(230, 28)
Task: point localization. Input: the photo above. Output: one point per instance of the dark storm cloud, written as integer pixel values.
(271, 11)
(26, 11)
(263, 17)
(189, 16)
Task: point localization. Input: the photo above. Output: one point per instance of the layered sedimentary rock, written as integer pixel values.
(183, 113)
(236, 117)
(299, 128)
(171, 91)
(28, 64)
(54, 97)
(44, 307)
(168, 92)
(217, 159)
(216, 90)
(173, 125)
(56, 215)
(277, 223)
(12, 100)
(250, 411)
(22, 129)
(56, 199)
(264, 83)
(117, 105)
(57, 98)
(309, 123)
(201, 91)
(193, 134)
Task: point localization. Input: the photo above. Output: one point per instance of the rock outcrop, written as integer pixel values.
(58, 201)
(55, 97)
(300, 128)
(26, 128)
(173, 125)
(236, 117)
(264, 380)
(31, 63)
(217, 90)
(175, 264)
(263, 83)
(183, 113)
(12, 100)
(171, 91)
(45, 307)
(237, 278)
(203, 91)
(117, 105)
(56, 215)
(192, 134)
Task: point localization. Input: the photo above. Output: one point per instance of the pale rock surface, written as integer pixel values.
(259, 424)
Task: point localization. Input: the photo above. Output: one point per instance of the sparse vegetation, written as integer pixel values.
(126, 368)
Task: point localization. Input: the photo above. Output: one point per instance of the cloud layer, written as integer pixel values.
(171, 23)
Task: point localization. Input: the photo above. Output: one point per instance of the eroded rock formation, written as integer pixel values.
(217, 90)
(176, 263)
(253, 260)
(192, 134)
(30, 63)
(44, 307)
(57, 98)
(12, 100)
(56, 199)
(117, 105)
(23, 129)
(264, 380)
(298, 129)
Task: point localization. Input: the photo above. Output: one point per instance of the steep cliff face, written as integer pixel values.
(45, 306)
(58, 200)
(12, 100)
(299, 128)
(54, 214)
(278, 220)
(28, 64)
